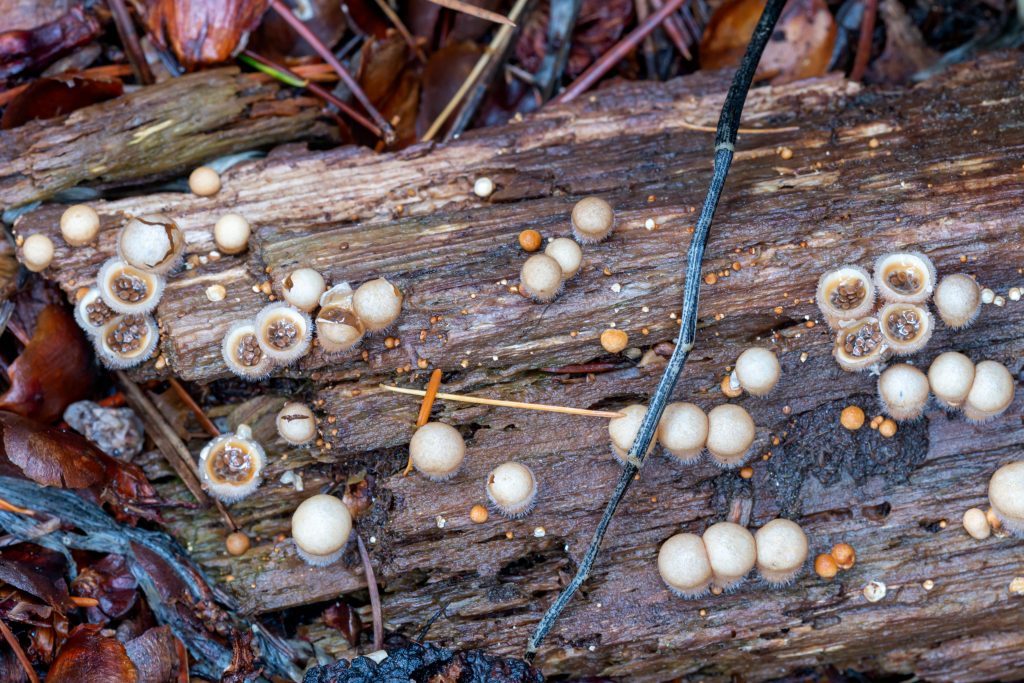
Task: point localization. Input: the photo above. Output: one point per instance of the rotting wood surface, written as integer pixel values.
(944, 178)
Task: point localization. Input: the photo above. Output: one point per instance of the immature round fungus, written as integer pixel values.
(976, 524)
(512, 488)
(904, 277)
(237, 543)
(592, 220)
(623, 430)
(321, 526)
(950, 377)
(991, 393)
(614, 341)
(859, 345)
(530, 240)
(541, 278)
(845, 293)
(242, 353)
(152, 243)
(781, 551)
(844, 555)
(127, 289)
(302, 288)
(852, 418)
(568, 254)
(958, 300)
(37, 252)
(758, 371)
(483, 187)
(283, 332)
(91, 313)
(204, 181)
(732, 553)
(231, 465)
(731, 432)
(126, 341)
(904, 391)
(683, 430)
(906, 328)
(296, 424)
(231, 233)
(1006, 495)
(377, 303)
(79, 225)
(825, 566)
(437, 450)
(338, 328)
(684, 565)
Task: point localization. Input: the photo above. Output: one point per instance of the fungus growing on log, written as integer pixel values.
(904, 391)
(904, 277)
(845, 293)
(231, 465)
(321, 526)
(127, 289)
(512, 488)
(732, 553)
(283, 332)
(153, 243)
(684, 565)
(437, 450)
(781, 551)
(958, 300)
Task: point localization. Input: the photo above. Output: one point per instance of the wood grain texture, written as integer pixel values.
(945, 178)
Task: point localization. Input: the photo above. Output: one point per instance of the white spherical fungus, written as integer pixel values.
(437, 450)
(483, 187)
(683, 430)
(79, 225)
(231, 233)
(512, 488)
(127, 289)
(126, 341)
(283, 332)
(377, 303)
(204, 181)
(950, 377)
(731, 432)
(321, 527)
(1006, 495)
(540, 278)
(905, 277)
(904, 391)
(592, 220)
(302, 288)
(568, 254)
(296, 424)
(845, 293)
(758, 371)
(781, 551)
(958, 300)
(37, 252)
(231, 465)
(991, 393)
(623, 430)
(242, 352)
(976, 524)
(732, 553)
(153, 243)
(684, 565)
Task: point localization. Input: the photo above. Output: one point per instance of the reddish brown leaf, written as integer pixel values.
(365, 18)
(203, 32)
(111, 583)
(275, 39)
(905, 51)
(155, 655)
(88, 657)
(33, 49)
(346, 620)
(28, 14)
(36, 571)
(445, 71)
(601, 23)
(53, 371)
(800, 47)
(46, 98)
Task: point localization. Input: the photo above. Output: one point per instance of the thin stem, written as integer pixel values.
(561, 25)
(545, 407)
(130, 39)
(402, 30)
(867, 30)
(375, 607)
(18, 652)
(728, 125)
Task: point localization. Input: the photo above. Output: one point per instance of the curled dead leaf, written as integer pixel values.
(46, 98)
(203, 32)
(32, 50)
(88, 657)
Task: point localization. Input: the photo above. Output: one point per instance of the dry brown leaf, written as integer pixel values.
(88, 657)
(203, 32)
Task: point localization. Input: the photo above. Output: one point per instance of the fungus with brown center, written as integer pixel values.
(127, 289)
(1006, 495)
(204, 181)
(512, 488)
(321, 526)
(732, 553)
(845, 293)
(859, 345)
(126, 341)
(568, 254)
(377, 303)
(437, 450)
(950, 377)
(79, 225)
(592, 220)
(231, 233)
(781, 551)
(242, 352)
(338, 328)
(231, 465)
(684, 565)
(37, 252)
(283, 332)
(302, 288)
(906, 328)
(683, 430)
(904, 391)
(296, 424)
(958, 300)
(152, 243)
(91, 313)
(623, 430)
(904, 277)
(731, 432)
(991, 392)
(540, 278)
(758, 371)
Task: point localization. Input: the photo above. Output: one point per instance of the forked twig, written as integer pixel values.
(725, 141)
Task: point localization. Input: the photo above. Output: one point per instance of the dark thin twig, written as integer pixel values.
(130, 39)
(205, 422)
(402, 30)
(328, 56)
(609, 59)
(725, 141)
(677, 32)
(561, 24)
(371, 584)
(867, 30)
(18, 652)
(422, 635)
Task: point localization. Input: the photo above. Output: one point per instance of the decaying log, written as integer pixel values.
(152, 133)
(935, 168)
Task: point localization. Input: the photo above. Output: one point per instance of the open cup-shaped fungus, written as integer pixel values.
(904, 277)
(540, 278)
(732, 553)
(338, 328)
(512, 488)
(592, 220)
(127, 289)
(321, 526)
(991, 392)
(623, 430)
(684, 565)
(1006, 494)
(731, 432)
(91, 313)
(845, 293)
(152, 243)
(231, 465)
(283, 332)
(859, 345)
(296, 424)
(950, 377)
(904, 391)
(377, 303)
(126, 341)
(906, 328)
(243, 354)
(781, 551)
(758, 371)
(958, 300)
(683, 431)
(437, 450)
